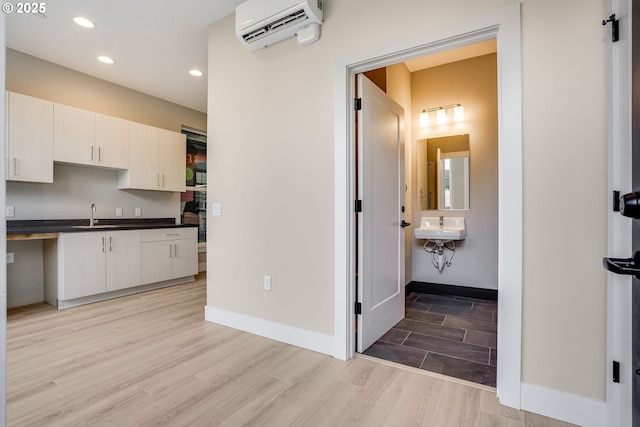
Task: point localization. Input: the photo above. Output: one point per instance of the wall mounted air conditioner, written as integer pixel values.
(260, 23)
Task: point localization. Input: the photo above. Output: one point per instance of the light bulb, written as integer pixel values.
(441, 116)
(424, 119)
(458, 113)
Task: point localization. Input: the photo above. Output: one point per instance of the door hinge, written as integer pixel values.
(615, 27)
(616, 372)
(358, 206)
(358, 308)
(616, 201)
(357, 104)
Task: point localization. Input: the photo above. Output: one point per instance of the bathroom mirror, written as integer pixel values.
(443, 173)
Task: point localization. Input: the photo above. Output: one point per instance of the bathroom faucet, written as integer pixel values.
(92, 221)
(441, 221)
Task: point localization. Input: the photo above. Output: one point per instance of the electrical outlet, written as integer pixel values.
(11, 211)
(138, 212)
(267, 283)
(216, 209)
(10, 258)
(118, 211)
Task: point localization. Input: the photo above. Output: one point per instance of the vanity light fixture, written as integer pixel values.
(441, 114)
(84, 22)
(196, 73)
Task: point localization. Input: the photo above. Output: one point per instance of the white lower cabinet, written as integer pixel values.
(167, 254)
(92, 263)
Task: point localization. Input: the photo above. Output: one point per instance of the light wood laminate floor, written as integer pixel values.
(152, 360)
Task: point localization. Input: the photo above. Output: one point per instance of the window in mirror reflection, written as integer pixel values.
(443, 173)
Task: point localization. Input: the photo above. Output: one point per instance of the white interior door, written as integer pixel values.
(380, 235)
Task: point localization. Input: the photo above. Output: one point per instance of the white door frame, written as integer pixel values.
(619, 245)
(505, 25)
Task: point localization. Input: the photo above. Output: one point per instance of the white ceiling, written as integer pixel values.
(154, 42)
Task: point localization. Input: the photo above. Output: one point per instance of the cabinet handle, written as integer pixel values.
(110, 244)
(99, 154)
(103, 245)
(157, 180)
(170, 252)
(162, 180)
(175, 251)
(15, 166)
(91, 148)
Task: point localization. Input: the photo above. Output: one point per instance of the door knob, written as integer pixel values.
(404, 224)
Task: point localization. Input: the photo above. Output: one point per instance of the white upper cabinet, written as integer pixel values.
(86, 138)
(111, 142)
(73, 135)
(156, 160)
(29, 148)
(173, 152)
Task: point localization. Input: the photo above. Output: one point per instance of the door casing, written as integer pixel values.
(504, 24)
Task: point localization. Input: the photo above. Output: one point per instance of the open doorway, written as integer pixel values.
(504, 24)
(449, 324)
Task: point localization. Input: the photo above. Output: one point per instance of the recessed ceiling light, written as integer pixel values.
(84, 22)
(105, 59)
(195, 73)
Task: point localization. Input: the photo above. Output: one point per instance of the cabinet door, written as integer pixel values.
(143, 158)
(111, 148)
(122, 259)
(173, 152)
(185, 257)
(73, 135)
(155, 261)
(82, 264)
(29, 139)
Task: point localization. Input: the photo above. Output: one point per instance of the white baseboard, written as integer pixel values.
(299, 337)
(563, 406)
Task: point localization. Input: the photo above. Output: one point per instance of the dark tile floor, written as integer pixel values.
(454, 336)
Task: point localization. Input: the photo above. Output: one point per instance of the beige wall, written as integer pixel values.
(42, 79)
(472, 83)
(271, 123)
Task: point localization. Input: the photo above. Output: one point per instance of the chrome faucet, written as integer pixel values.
(441, 221)
(92, 221)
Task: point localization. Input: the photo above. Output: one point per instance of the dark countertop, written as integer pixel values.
(44, 226)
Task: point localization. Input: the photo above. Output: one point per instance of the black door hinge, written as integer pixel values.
(358, 308)
(357, 104)
(616, 201)
(358, 206)
(615, 27)
(616, 372)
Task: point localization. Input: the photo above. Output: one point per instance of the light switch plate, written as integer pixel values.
(11, 211)
(10, 258)
(118, 211)
(216, 209)
(138, 212)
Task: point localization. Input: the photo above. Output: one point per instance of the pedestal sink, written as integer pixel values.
(441, 229)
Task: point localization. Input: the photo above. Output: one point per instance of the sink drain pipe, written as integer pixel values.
(438, 256)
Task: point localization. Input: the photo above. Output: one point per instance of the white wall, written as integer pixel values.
(271, 124)
(473, 83)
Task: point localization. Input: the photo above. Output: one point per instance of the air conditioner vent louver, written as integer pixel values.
(280, 24)
(261, 23)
